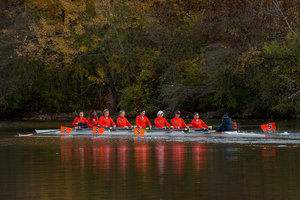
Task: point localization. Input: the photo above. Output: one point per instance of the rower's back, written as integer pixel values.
(227, 125)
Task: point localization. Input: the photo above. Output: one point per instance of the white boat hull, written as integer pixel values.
(190, 133)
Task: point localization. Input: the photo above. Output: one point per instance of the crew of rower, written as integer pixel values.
(142, 121)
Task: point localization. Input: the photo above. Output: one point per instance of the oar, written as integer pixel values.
(193, 129)
(109, 128)
(31, 134)
(23, 135)
(158, 130)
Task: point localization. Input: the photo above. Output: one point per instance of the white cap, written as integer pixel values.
(160, 112)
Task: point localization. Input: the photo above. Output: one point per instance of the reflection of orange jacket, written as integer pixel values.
(141, 121)
(77, 120)
(178, 123)
(106, 121)
(198, 123)
(92, 121)
(122, 121)
(161, 122)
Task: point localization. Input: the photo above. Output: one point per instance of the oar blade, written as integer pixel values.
(98, 130)
(268, 127)
(235, 125)
(139, 131)
(65, 130)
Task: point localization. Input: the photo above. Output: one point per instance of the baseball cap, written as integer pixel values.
(160, 112)
(177, 112)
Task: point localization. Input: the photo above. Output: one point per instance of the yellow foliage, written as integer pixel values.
(5, 32)
(79, 29)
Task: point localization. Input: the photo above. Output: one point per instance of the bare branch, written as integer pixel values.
(276, 3)
(291, 81)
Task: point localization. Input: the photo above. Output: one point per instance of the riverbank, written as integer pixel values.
(217, 115)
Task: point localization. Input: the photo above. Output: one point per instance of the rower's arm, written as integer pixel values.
(166, 122)
(221, 127)
(203, 124)
(147, 121)
(74, 122)
(112, 122)
(184, 125)
(127, 123)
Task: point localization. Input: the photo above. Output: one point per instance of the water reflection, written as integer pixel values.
(199, 157)
(104, 157)
(66, 152)
(268, 158)
(178, 158)
(76, 167)
(150, 165)
(142, 153)
(161, 154)
(123, 157)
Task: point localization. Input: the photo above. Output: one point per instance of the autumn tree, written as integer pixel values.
(161, 54)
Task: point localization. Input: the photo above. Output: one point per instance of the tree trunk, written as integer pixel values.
(66, 87)
(113, 97)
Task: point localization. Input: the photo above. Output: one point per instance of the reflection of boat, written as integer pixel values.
(168, 132)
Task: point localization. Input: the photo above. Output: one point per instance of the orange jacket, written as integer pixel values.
(122, 121)
(142, 121)
(178, 123)
(78, 120)
(106, 121)
(161, 122)
(198, 123)
(92, 121)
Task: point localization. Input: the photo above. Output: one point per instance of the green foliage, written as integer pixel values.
(141, 94)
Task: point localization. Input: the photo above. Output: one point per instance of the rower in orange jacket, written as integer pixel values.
(198, 123)
(177, 122)
(105, 121)
(93, 119)
(141, 120)
(160, 121)
(79, 120)
(122, 121)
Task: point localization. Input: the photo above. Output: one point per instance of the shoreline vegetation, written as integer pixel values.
(240, 57)
(211, 116)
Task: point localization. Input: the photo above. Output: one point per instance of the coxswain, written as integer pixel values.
(177, 122)
(141, 120)
(80, 121)
(122, 121)
(105, 121)
(93, 119)
(227, 124)
(160, 121)
(198, 123)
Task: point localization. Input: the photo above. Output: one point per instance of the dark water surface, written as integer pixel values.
(102, 167)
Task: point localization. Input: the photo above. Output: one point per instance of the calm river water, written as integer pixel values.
(102, 167)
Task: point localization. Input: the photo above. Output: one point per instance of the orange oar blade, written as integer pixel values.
(97, 130)
(138, 131)
(65, 129)
(269, 126)
(235, 125)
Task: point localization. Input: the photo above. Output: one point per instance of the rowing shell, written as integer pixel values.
(130, 132)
